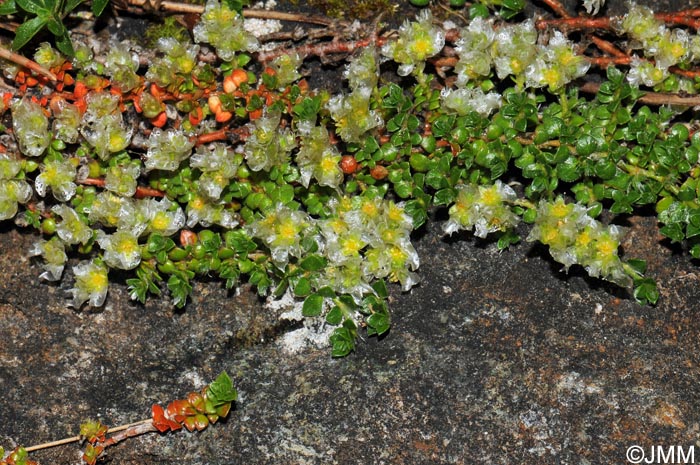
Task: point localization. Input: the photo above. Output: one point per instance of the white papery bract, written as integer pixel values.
(486, 209)
(53, 252)
(514, 48)
(103, 125)
(282, 230)
(31, 127)
(352, 114)
(58, 175)
(268, 145)
(12, 193)
(223, 28)
(72, 229)
(319, 159)
(474, 50)
(91, 284)
(167, 149)
(574, 237)
(362, 70)
(66, 122)
(205, 212)
(217, 165)
(123, 179)
(463, 100)
(120, 250)
(164, 216)
(417, 41)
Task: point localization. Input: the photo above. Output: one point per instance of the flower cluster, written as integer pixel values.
(352, 113)
(474, 51)
(31, 126)
(122, 179)
(218, 165)
(286, 69)
(91, 283)
(417, 41)
(366, 239)
(319, 159)
(556, 64)
(513, 50)
(486, 209)
(282, 230)
(58, 175)
(120, 250)
(464, 100)
(13, 189)
(665, 47)
(178, 59)
(574, 237)
(200, 210)
(72, 229)
(53, 252)
(223, 28)
(103, 126)
(47, 56)
(268, 145)
(66, 122)
(363, 239)
(167, 149)
(121, 65)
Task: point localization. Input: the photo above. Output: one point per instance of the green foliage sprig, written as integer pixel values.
(47, 14)
(196, 412)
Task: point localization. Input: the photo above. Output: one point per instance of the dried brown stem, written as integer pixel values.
(125, 428)
(26, 62)
(557, 7)
(652, 98)
(320, 50)
(690, 18)
(187, 8)
(130, 431)
(141, 191)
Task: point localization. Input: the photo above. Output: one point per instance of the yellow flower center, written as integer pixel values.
(160, 221)
(96, 280)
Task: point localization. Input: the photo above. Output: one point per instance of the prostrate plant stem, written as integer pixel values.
(195, 412)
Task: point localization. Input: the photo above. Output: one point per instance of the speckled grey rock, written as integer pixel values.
(496, 358)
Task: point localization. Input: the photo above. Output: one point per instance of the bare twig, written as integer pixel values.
(137, 426)
(652, 98)
(690, 18)
(26, 62)
(187, 8)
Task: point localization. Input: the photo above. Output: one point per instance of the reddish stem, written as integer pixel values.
(141, 191)
(321, 50)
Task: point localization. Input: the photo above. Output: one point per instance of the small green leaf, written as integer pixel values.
(378, 323)
(302, 288)
(335, 316)
(221, 390)
(645, 291)
(313, 262)
(56, 27)
(312, 305)
(8, 7)
(343, 339)
(239, 241)
(380, 288)
(673, 231)
(36, 7)
(639, 266)
(27, 30)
